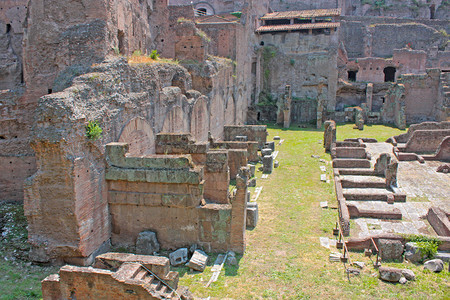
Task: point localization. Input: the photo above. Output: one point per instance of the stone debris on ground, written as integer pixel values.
(335, 257)
(276, 164)
(231, 258)
(147, 243)
(353, 271)
(323, 168)
(434, 265)
(281, 142)
(324, 242)
(198, 261)
(324, 204)
(359, 264)
(257, 193)
(276, 138)
(412, 253)
(315, 156)
(323, 161)
(264, 176)
(408, 274)
(323, 177)
(252, 182)
(178, 257)
(390, 274)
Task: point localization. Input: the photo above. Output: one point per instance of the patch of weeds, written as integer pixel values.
(203, 35)
(428, 246)
(93, 130)
(154, 54)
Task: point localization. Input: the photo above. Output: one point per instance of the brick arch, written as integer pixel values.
(139, 135)
(230, 112)
(200, 120)
(175, 121)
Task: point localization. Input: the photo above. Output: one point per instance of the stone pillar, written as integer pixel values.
(329, 135)
(267, 164)
(369, 96)
(287, 107)
(239, 212)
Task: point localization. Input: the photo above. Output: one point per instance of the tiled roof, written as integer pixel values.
(302, 14)
(271, 28)
(225, 18)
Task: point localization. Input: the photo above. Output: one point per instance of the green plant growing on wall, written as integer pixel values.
(154, 54)
(428, 246)
(237, 14)
(93, 130)
(116, 51)
(292, 62)
(203, 35)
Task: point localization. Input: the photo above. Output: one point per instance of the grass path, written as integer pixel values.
(284, 259)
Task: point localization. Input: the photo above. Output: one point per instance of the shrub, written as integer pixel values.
(154, 54)
(93, 130)
(428, 246)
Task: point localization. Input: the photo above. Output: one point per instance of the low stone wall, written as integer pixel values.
(344, 215)
(252, 148)
(255, 133)
(439, 220)
(165, 194)
(403, 138)
(425, 141)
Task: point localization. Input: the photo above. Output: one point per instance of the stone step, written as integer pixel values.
(351, 163)
(141, 275)
(352, 181)
(351, 152)
(443, 255)
(356, 171)
(371, 194)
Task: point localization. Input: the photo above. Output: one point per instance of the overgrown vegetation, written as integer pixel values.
(93, 130)
(428, 246)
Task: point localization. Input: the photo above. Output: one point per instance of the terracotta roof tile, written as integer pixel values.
(302, 14)
(271, 28)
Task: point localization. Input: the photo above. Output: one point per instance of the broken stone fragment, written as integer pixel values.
(335, 257)
(408, 274)
(270, 145)
(198, 261)
(390, 249)
(276, 164)
(252, 215)
(178, 257)
(353, 271)
(266, 151)
(359, 264)
(232, 261)
(434, 265)
(413, 253)
(147, 243)
(267, 164)
(252, 182)
(403, 280)
(276, 138)
(390, 274)
(252, 170)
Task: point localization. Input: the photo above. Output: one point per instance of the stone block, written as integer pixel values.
(390, 249)
(268, 164)
(413, 253)
(252, 182)
(252, 214)
(434, 265)
(390, 274)
(198, 261)
(270, 145)
(147, 243)
(409, 275)
(276, 138)
(252, 170)
(266, 151)
(178, 257)
(241, 138)
(276, 164)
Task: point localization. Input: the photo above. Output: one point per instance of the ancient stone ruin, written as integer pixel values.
(120, 118)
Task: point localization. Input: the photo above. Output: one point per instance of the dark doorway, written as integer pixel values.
(389, 74)
(120, 38)
(8, 28)
(432, 11)
(352, 75)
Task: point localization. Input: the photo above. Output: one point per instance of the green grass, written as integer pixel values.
(284, 259)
